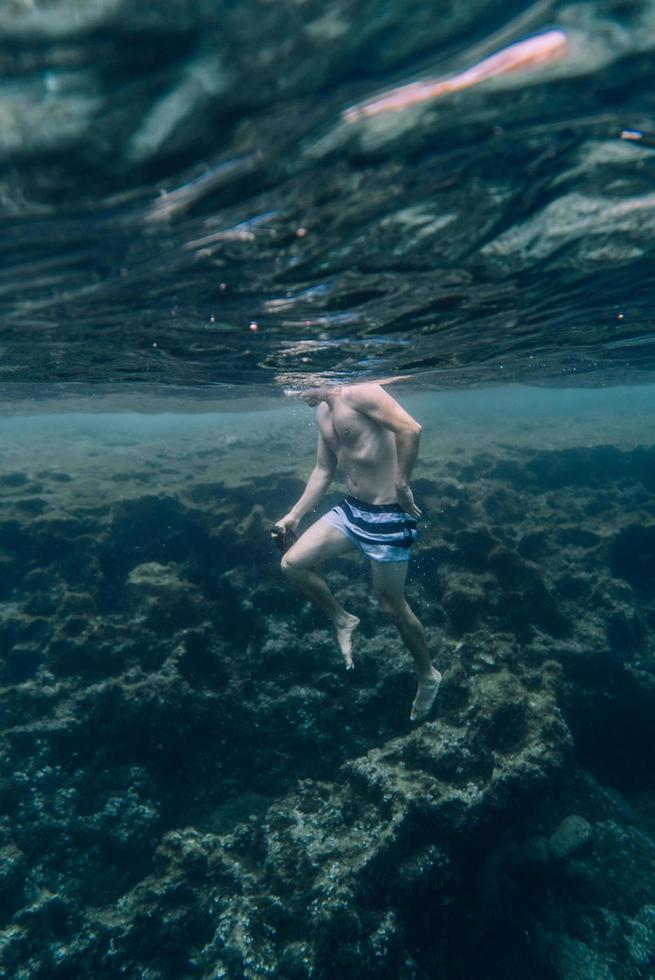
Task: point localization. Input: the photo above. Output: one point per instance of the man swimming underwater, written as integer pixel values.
(374, 442)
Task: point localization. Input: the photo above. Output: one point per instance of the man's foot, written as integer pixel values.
(425, 696)
(345, 628)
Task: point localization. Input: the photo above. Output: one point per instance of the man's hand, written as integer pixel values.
(406, 500)
(288, 523)
(283, 533)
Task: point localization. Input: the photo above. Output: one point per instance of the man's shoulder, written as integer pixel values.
(362, 394)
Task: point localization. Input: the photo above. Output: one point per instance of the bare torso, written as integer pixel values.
(365, 451)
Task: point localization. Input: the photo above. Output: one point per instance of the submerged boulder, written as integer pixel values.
(327, 879)
(572, 835)
(632, 557)
(162, 597)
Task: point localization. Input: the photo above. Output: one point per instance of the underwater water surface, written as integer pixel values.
(205, 192)
(206, 205)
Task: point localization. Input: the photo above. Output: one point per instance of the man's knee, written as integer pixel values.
(286, 564)
(289, 564)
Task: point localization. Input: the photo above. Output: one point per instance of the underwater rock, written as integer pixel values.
(348, 858)
(23, 638)
(191, 786)
(626, 633)
(609, 930)
(582, 911)
(500, 711)
(474, 547)
(568, 957)
(162, 598)
(632, 557)
(13, 870)
(463, 600)
(200, 662)
(572, 835)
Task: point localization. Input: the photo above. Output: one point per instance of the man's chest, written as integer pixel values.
(345, 429)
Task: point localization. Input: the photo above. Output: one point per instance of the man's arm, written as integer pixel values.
(318, 482)
(377, 404)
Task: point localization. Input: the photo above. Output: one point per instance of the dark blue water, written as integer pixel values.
(185, 201)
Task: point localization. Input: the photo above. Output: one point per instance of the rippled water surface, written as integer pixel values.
(198, 192)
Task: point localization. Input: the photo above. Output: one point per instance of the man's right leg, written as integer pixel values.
(319, 542)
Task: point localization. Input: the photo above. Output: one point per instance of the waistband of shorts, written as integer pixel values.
(374, 508)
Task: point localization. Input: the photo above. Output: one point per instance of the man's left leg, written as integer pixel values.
(389, 586)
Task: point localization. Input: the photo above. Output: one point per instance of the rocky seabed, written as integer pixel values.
(192, 786)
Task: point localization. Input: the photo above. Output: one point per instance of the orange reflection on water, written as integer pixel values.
(524, 55)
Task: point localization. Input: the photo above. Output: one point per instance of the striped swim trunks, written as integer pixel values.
(384, 532)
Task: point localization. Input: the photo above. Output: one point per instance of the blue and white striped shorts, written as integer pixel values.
(384, 532)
